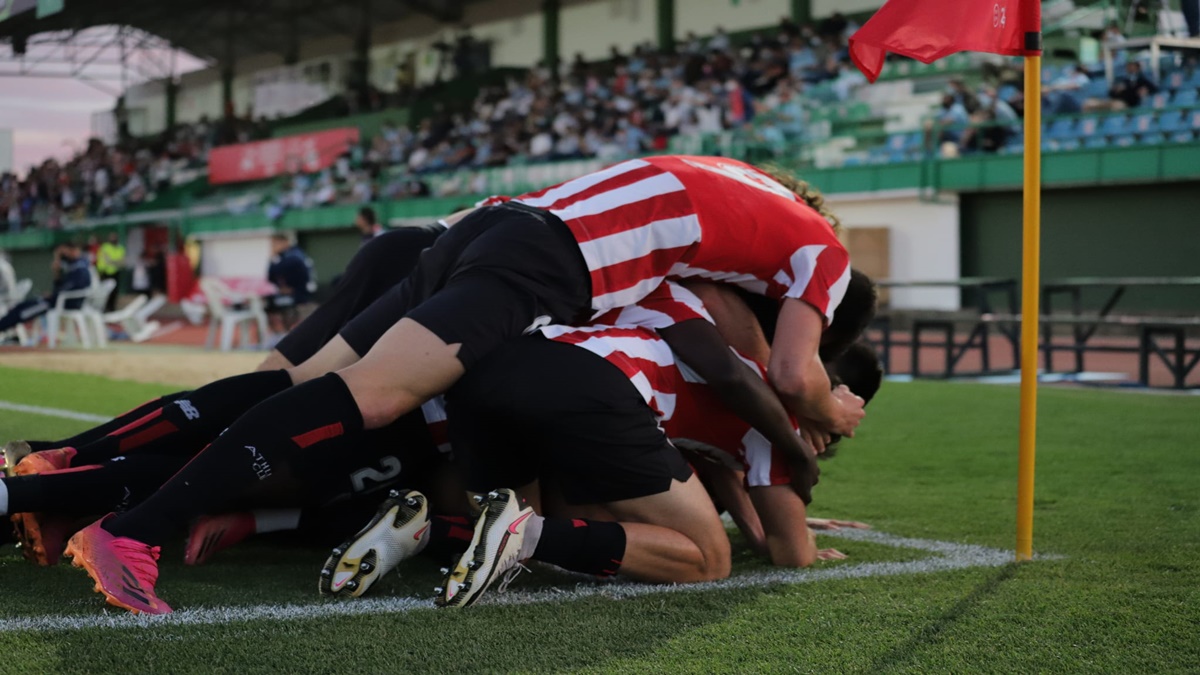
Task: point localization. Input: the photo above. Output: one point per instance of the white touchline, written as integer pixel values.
(53, 412)
(946, 556)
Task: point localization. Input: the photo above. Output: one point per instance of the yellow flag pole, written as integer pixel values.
(1030, 296)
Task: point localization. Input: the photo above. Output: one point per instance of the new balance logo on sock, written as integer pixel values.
(260, 465)
(189, 410)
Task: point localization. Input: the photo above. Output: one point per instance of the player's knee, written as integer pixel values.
(381, 409)
(714, 562)
(304, 372)
(718, 559)
(380, 406)
(276, 361)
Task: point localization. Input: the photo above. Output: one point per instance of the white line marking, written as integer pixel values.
(946, 556)
(53, 412)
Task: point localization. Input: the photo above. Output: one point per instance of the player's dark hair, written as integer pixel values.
(851, 318)
(860, 369)
(368, 214)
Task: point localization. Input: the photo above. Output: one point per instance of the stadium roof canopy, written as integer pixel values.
(224, 31)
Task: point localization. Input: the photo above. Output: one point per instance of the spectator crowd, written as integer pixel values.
(105, 179)
(626, 105)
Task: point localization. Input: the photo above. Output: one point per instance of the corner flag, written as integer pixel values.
(928, 30)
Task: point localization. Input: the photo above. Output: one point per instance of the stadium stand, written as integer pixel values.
(783, 94)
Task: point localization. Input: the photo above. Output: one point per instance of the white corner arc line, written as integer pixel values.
(53, 412)
(946, 556)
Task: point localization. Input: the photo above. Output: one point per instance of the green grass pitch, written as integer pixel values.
(1118, 511)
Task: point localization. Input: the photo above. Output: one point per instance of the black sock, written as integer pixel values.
(185, 424)
(449, 536)
(96, 433)
(106, 487)
(587, 546)
(276, 436)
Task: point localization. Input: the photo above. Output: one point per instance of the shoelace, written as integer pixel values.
(510, 575)
(139, 558)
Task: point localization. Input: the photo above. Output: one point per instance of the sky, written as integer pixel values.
(48, 117)
(51, 117)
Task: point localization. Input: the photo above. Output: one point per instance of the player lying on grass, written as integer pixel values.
(47, 502)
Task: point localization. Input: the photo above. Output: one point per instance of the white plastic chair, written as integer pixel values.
(223, 318)
(134, 317)
(94, 306)
(77, 317)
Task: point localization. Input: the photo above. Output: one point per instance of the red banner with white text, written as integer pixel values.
(304, 153)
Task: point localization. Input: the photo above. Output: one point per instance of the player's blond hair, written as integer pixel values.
(811, 195)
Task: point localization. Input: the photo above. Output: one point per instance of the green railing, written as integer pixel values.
(368, 124)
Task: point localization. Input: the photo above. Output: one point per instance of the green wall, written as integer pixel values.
(34, 264)
(1133, 230)
(330, 250)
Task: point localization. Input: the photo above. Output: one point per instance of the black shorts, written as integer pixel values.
(496, 275)
(380, 264)
(537, 407)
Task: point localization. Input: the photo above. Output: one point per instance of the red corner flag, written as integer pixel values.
(928, 30)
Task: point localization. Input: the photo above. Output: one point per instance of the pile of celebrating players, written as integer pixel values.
(582, 377)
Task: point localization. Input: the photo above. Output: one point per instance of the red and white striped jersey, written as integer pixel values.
(643, 356)
(666, 305)
(626, 337)
(702, 423)
(645, 220)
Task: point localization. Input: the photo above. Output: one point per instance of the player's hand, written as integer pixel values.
(849, 411)
(818, 438)
(833, 524)
(830, 554)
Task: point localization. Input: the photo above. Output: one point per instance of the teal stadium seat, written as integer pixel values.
(1184, 98)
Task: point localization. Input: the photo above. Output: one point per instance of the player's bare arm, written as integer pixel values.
(796, 372)
(700, 346)
(735, 322)
(728, 487)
